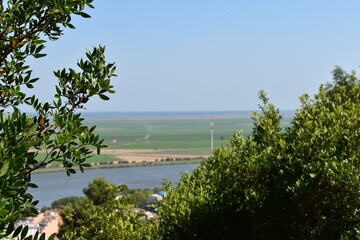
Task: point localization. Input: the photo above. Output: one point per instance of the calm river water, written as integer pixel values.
(55, 185)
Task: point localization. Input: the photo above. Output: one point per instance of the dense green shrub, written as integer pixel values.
(65, 201)
(301, 182)
(111, 218)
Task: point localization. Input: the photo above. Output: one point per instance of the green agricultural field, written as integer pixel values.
(147, 133)
(173, 137)
(94, 158)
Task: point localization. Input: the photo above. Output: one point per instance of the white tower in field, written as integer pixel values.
(212, 134)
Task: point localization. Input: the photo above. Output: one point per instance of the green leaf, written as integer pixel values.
(9, 229)
(84, 15)
(39, 55)
(24, 232)
(29, 238)
(104, 97)
(29, 85)
(32, 185)
(52, 237)
(36, 236)
(17, 231)
(42, 237)
(4, 169)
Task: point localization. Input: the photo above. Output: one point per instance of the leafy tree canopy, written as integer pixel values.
(97, 190)
(301, 182)
(112, 217)
(65, 201)
(56, 128)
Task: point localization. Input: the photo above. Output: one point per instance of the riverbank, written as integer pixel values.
(123, 165)
(121, 158)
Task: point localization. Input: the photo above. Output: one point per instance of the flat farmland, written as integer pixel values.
(152, 137)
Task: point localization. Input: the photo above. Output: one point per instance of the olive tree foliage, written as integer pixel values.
(301, 182)
(96, 190)
(56, 128)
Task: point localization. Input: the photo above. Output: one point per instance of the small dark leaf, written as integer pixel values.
(81, 168)
(52, 237)
(42, 237)
(17, 231)
(84, 15)
(39, 55)
(28, 85)
(36, 236)
(29, 238)
(9, 229)
(24, 232)
(104, 97)
(32, 185)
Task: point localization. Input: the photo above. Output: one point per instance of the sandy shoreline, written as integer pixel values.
(148, 155)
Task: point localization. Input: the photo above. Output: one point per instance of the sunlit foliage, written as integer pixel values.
(55, 128)
(301, 182)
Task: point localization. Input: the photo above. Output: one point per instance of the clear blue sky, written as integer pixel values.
(190, 55)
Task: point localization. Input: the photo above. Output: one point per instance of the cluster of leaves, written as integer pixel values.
(105, 213)
(63, 202)
(21, 232)
(140, 196)
(55, 128)
(301, 182)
